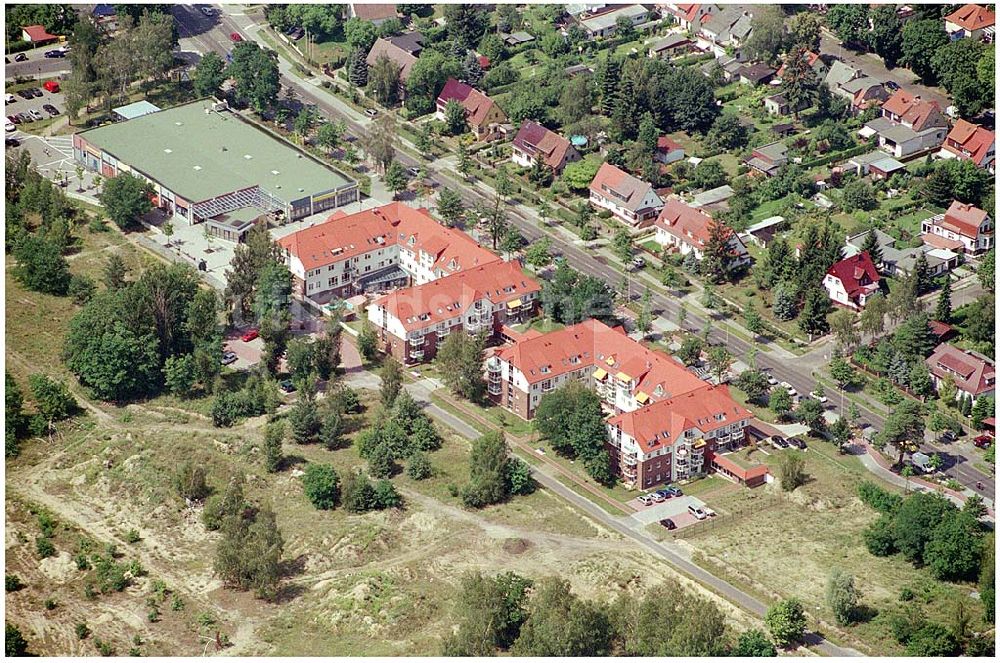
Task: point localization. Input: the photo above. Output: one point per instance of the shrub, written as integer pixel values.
(878, 498)
(132, 536)
(418, 467)
(321, 485)
(386, 495)
(44, 548)
(190, 482)
(906, 594)
(879, 537)
(213, 513)
(12, 583)
(50, 604)
(82, 631)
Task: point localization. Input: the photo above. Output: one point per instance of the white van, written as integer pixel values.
(697, 512)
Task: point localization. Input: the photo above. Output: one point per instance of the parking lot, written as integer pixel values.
(21, 105)
(674, 508)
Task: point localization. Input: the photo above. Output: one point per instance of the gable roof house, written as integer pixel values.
(37, 35)
(403, 50)
(755, 74)
(689, 16)
(971, 142)
(974, 374)
(517, 38)
(973, 21)
(729, 27)
(377, 14)
(969, 226)
(814, 60)
(671, 46)
(852, 85)
(484, 115)
(686, 228)
(901, 262)
(768, 159)
(630, 199)
(603, 21)
(778, 104)
(908, 125)
(851, 281)
(667, 150)
(535, 141)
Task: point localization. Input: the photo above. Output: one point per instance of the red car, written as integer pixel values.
(235, 36)
(51, 86)
(983, 441)
(249, 335)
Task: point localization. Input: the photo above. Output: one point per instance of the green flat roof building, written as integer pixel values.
(204, 160)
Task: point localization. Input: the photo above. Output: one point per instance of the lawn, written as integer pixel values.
(911, 222)
(820, 526)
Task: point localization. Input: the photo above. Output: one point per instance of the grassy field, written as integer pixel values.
(780, 544)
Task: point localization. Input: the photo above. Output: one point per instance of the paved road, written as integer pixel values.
(37, 65)
(873, 66)
(213, 34)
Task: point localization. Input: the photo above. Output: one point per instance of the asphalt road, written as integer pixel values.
(37, 65)
(212, 34)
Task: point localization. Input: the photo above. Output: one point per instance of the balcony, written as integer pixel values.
(416, 338)
(416, 354)
(494, 388)
(630, 459)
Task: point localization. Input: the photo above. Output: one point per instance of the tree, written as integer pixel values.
(460, 361)
(396, 179)
(367, 341)
(786, 621)
(538, 253)
(621, 244)
(804, 30)
(450, 207)
(360, 34)
(885, 37)
(560, 624)
(571, 419)
(579, 174)
(464, 164)
(840, 433)
(717, 257)
(799, 81)
(379, 140)
(209, 75)
(577, 99)
(180, 375)
(487, 471)
(126, 198)
(357, 68)
(728, 133)
(986, 270)
(921, 39)
(842, 372)
(987, 577)
(690, 350)
(383, 81)
(14, 642)
(454, 118)
(719, 361)
(872, 248)
(810, 412)
(812, 319)
(466, 24)
(842, 326)
(304, 418)
(932, 640)
(768, 37)
(842, 596)
(427, 77)
(792, 471)
(981, 409)
(644, 321)
(904, 428)
(859, 194)
(953, 551)
(40, 266)
(418, 466)
(391, 376)
(849, 23)
(780, 402)
(274, 434)
(755, 642)
(709, 174)
(249, 554)
(490, 612)
(321, 485)
(255, 73)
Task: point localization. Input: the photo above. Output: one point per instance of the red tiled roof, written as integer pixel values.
(343, 236)
(963, 218)
(940, 329)
(972, 373)
(38, 33)
(743, 473)
(476, 104)
(856, 273)
(373, 12)
(667, 144)
(685, 222)
(914, 112)
(592, 344)
(810, 57)
(972, 17)
(973, 139)
(421, 306)
(612, 181)
(484, 62)
(664, 422)
(532, 138)
(939, 242)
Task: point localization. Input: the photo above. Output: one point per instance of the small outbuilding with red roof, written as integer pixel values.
(37, 35)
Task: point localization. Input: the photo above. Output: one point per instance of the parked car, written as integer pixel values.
(697, 512)
(664, 493)
(776, 441)
(50, 109)
(51, 86)
(235, 36)
(9, 98)
(645, 500)
(25, 94)
(413, 171)
(675, 491)
(711, 513)
(249, 335)
(789, 388)
(371, 112)
(669, 524)
(55, 53)
(14, 119)
(11, 142)
(891, 85)
(797, 442)
(638, 262)
(286, 386)
(35, 115)
(228, 357)
(771, 381)
(983, 441)
(25, 117)
(9, 127)
(21, 57)
(657, 497)
(820, 397)
(207, 11)
(35, 92)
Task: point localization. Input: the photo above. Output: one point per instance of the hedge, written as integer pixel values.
(838, 156)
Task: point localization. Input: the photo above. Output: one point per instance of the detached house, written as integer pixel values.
(602, 21)
(628, 198)
(689, 16)
(755, 74)
(413, 323)
(668, 151)
(971, 142)
(973, 373)
(671, 46)
(970, 228)
(850, 84)
(485, 117)
(908, 125)
(533, 141)
(403, 50)
(973, 21)
(768, 159)
(377, 14)
(852, 281)
(687, 229)
(814, 61)
(728, 27)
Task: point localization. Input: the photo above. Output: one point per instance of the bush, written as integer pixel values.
(879, 537)
(386, 495)
(418, 467)
(213, 513)
(12, 583)
(321, 485)
(358, 494)
(82, 631)
(878, 498)
(906, 594)
(44, 547)
(132, 536)
(190, 482)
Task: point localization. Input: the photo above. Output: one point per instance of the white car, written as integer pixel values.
(697, 512)
(656, 497)
(9, 127)
(820, 397)
(645, 500)
(9, 98)
(789, 388)
(771, 381)
(208, 11)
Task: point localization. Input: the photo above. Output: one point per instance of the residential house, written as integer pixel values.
(713, 199)
(877, 163)
(673, 45)
(533, 141)
(852, 85)
(768, 159)
(667, 150)
(729, 27)
(762, 232)
(908, 125)
(687, 229)
(974, 374)
(851, 281)
(413, 323)
(815, 62)
(973, 21)
(689, 16)
(37, 35)
(966, 224)
(377, 14)
(971, 142)
(575, 70)
(727, 67)
(778, 104)
(484, 115)
(901, 262)
(603, 22)
(403, 50)
(755, 74)
(377, 249)
(783, 129)
(630, 199)
(515, 39)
